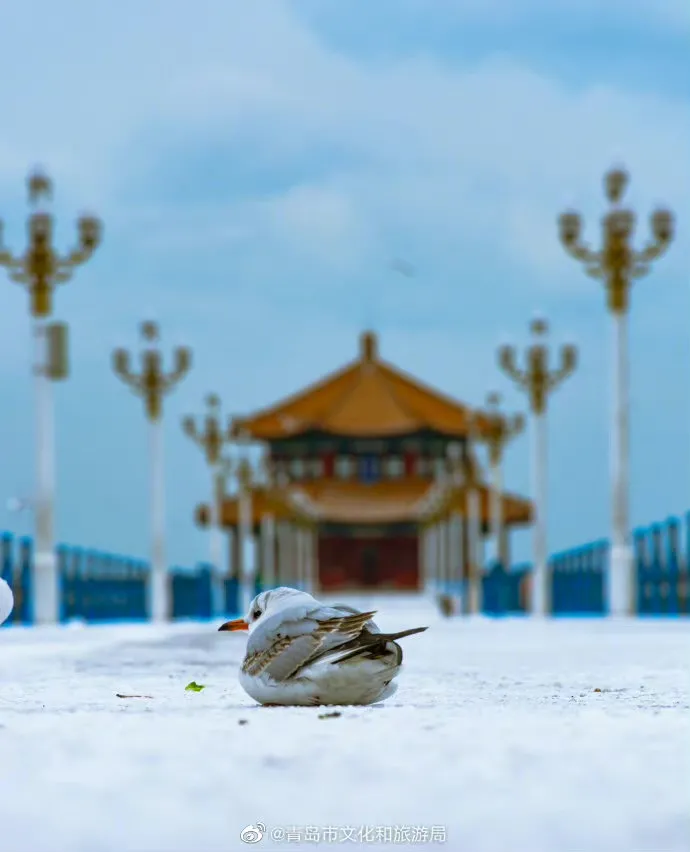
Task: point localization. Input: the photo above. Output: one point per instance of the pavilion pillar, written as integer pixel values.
(234, 547)
(422, 557)
(442, 556)
(305, 533)
(432, 558)
(313, 542)
(294, 571)
(307, 554)
(279, 553)
(464, 550)
(268, 552)
(284, 568)
(257, 559)
(300, 556)
(428, 555)
(438, 554)
(504, 547)
(456, 551)
(450, 553)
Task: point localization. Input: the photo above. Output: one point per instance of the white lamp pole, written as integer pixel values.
(621, 567)
(538, 381)
(40, 269)
(152, 384)
(46, 591)
(160, 604)
(618, 264)
(268, 544)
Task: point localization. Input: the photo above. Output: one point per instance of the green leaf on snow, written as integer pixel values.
(194, 687)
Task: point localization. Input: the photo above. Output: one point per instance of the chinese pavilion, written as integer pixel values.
(360, 450)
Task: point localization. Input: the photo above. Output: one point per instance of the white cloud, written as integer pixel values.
(658, 14)
(321, 219)
(494, 152)
(456, 158)
(488, 149)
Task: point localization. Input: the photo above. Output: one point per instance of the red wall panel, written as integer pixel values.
(329, 465)
(357, 563)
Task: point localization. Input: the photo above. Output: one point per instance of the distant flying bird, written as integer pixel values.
(403, 267)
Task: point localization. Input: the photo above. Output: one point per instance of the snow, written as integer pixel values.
(498, 736)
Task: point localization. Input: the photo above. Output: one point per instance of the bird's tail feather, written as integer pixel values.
(370, 642)
(393, 637)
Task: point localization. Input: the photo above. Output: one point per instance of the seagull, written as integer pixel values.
(301, 652)
(6, 601)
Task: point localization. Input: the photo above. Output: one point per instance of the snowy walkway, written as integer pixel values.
(508, 736)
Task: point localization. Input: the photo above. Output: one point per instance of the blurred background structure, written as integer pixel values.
(366, 479)
(369, 480)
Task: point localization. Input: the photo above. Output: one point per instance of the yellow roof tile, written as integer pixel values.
(367, 398)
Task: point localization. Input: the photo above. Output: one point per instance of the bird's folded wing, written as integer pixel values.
(293, 644)
(371, 626)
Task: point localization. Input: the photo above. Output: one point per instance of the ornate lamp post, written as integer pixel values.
(617, 263)
(152, 384)
(538, 381)
(499, 431)
(211, 439)
(40, 269)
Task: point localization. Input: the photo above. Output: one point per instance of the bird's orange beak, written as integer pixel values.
(237, 624)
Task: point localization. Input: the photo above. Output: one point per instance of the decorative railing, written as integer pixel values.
(577, 577)
(99, 587)
(102, 587)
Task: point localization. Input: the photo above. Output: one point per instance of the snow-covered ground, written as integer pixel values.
(504, 736)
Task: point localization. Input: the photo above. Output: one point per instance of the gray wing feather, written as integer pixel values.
(283, 658)
(371, 625)
(283, 649)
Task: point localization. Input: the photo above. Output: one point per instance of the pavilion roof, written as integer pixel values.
(369, 397)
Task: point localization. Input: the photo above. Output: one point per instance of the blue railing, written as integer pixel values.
(100, 587)
(578, 580)
(577, 577)
(503, 592)
(663, 563)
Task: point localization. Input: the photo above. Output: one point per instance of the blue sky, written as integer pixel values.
(258, 165)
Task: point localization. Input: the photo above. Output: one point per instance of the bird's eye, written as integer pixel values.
(256, 614)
